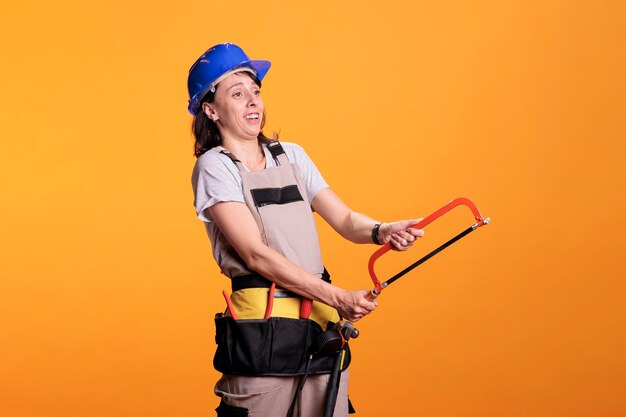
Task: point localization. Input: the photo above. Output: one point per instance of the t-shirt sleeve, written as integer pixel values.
(213, 182)
(312, 177)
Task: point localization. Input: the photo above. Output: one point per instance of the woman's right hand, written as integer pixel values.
(353, 305)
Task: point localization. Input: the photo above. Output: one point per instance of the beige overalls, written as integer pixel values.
(275, 348)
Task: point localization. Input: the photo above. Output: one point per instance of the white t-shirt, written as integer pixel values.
(215, 177)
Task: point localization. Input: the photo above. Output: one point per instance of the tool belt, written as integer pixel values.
(276, 346)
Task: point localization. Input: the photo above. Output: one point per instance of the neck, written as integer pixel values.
(247, 151)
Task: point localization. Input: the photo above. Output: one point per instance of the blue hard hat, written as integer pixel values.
(213, 64)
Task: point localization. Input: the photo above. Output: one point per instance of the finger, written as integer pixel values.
(396, 237)
(399, 241)
(366, 309)
(406, 236)
(415, 232)
(395, 245)
(370, 296)
(410, 223)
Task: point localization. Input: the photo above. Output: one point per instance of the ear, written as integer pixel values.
(210, 111)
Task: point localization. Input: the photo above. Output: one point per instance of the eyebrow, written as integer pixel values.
(236, 84)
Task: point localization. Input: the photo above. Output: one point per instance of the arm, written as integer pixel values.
(357, 227)
(238, 226)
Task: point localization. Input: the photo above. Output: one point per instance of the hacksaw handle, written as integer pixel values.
(423, 223)
(371, 296)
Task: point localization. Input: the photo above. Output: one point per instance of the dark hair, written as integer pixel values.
(206, 131)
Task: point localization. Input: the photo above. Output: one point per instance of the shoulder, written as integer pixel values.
(214, 163)
(291, 146)
(213, 159)
(210, 158)
(295, 153)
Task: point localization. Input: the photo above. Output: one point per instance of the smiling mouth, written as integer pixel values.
(252, 116)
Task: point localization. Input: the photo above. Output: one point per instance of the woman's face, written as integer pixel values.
(237, 107)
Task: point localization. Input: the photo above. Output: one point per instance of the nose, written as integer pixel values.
(253, 99)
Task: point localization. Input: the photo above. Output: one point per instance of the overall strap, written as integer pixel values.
(277, 151)
(275, 148)
(236, 161)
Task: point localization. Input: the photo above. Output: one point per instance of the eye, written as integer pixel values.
(237, 94)
(257, 93)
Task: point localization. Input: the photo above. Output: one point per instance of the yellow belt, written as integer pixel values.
(251, 303)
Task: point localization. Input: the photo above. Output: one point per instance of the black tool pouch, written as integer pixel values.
(278, 346)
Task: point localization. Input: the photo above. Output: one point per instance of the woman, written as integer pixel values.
(256, 197)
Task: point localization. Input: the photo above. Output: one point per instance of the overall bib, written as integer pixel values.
(263, 359)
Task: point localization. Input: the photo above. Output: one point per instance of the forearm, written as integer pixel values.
(286, 274)
(357, 227)
(351, 225)
(351, 305)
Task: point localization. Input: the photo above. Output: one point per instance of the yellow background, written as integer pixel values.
(107, 281)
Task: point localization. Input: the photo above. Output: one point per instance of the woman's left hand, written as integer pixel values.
(400, 234)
